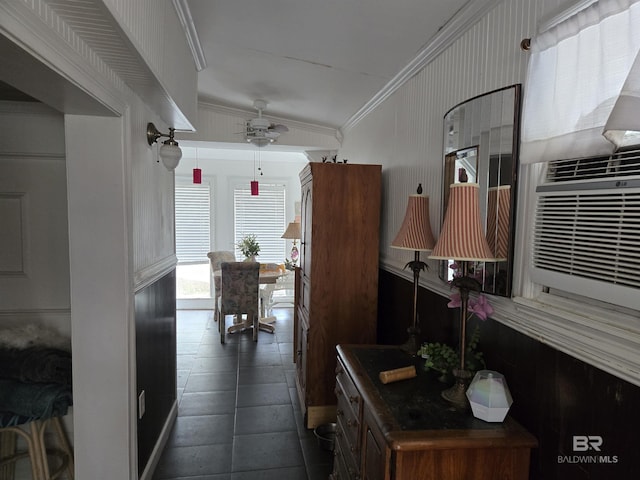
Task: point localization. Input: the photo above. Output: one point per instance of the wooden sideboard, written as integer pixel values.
(406, 431)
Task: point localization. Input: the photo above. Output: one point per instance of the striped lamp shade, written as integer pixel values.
(462, 237)
(415, 232)
(498, 208)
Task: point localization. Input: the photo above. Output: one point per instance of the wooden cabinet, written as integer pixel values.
(406, 431)
(338, 278)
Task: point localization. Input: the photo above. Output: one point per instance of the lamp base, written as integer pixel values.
(411, 346)
(456, 395)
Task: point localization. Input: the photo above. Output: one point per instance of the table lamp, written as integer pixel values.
(415, 234)
(462, 239)
(293, 233)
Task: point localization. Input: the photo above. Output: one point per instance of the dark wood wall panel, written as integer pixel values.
(155, 316)
(555, 395)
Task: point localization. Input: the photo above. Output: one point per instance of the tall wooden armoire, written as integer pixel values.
(338, 277)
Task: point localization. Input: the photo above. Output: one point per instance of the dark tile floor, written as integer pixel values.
(239, 417)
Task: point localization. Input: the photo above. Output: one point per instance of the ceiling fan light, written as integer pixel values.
(260, 141)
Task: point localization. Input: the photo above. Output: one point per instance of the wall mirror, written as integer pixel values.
(482, 135)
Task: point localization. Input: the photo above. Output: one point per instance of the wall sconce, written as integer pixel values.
(169, 152)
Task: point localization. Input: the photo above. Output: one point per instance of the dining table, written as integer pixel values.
(266, 277)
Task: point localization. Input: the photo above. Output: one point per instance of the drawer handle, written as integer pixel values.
(339, 412)
(352, 423)
(353, 399)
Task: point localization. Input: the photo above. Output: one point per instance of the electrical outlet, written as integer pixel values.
(141, 405)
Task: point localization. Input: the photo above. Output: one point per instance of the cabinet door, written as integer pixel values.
(306, 228)
(376, 455)
(301, 358)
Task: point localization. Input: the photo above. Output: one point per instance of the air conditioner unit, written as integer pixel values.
(587, 228)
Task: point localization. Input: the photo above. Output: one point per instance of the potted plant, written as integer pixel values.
(249, 247)
(443, 359)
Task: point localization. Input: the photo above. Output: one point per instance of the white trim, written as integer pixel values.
(150, 274)
(186, 20)
(606, 341)
(87, 72)
(156, 453)
(554, 20)
(468, 15)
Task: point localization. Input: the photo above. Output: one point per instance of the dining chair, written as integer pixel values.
(240, 285)
(282, 292)
(215, 259)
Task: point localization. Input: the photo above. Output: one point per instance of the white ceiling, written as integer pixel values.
(317, 61)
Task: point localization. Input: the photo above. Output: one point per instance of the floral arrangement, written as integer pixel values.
(443, 358)
(476, 306)
(249, 246)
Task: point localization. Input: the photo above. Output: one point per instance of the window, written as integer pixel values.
(193, 239)
(576, 286)
(582, 83)
(262, 215)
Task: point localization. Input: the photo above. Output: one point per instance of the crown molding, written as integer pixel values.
(186, 20)
(468, 15)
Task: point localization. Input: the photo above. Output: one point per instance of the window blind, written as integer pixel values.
(193, 222)
(262, 215)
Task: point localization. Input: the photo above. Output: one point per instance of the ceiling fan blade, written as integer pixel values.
(278, 128)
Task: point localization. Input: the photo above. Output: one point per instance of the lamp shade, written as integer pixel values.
(415, 231)
(292, 231)
(462, 237)
(498, 209)
(170, 155)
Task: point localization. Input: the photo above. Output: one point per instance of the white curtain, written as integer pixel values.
(579, 69)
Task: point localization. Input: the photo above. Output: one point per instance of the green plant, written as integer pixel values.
(249, 246)
(443, 358)
(439, 357)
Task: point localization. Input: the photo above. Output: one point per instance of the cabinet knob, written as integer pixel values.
(339, 412)
(353, 399)
(338, 391)
(299, 353)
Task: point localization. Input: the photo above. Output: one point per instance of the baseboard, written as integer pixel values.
(156, 454)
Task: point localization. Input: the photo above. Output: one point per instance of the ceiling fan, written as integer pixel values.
(259, 130)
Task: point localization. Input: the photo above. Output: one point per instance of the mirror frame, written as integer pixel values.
(488, 124)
